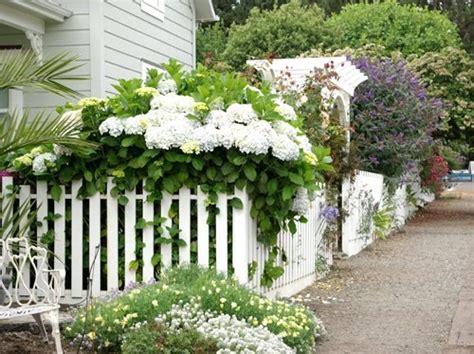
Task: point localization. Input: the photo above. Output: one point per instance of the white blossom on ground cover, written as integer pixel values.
(232, 335)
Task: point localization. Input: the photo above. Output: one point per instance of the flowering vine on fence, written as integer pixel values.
(187, 129)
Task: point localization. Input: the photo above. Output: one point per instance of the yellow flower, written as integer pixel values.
(116, 321)
(190, 147)
(310, 158)
(200, 107)
(233, 305)
(222, 300)
(154, 303)
(91, 335)
(21, 161)
(89, 101)
(99, 319)
(146, 91)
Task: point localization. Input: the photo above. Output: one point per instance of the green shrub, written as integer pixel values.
(409, 29)
(105, 322)
(210, 43)
(449, 75)
(284, 32)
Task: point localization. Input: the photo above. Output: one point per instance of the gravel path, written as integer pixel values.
(400, 294)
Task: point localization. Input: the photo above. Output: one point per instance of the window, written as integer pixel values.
(155, 8)
(147, 66)
(4, 97)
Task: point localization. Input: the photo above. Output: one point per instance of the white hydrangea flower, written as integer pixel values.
(157, 117)
(218, 118)
(285, 149)
(113, 126)
(226, 136)
(60, 150)
(208, 137)
(173, 103)
(42, 162)
(285, 110)
(301, 202)
(166, 86)
(303, 142)
(136, 125)
(241, 113)
(284, 128)
(255, 138)
(171, 134)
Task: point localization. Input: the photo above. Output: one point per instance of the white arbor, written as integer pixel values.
(348, 78)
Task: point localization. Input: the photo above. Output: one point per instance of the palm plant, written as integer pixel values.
(20, 131)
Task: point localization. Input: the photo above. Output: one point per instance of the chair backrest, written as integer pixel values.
(25, 279)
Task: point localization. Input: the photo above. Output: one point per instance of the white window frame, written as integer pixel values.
(155, 8)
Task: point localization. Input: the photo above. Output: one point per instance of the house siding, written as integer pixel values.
(132, 35)
(71, 36)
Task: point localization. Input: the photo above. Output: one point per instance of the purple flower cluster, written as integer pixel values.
(330, 214)
(394, 118)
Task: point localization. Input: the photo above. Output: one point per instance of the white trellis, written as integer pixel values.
(348, 78)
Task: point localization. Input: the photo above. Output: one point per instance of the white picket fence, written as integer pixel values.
(365, 186)
(80, 232)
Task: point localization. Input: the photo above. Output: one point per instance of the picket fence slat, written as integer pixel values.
(94, 242)
(148, 238)
(221, 235)
(76, 241)
(7, 182)
(239, 241)
(203, 229)
(112, 238)
(60, 232)
(130, 235)
(25, 202)
(42, 228)
(166, 259)
(185, 225)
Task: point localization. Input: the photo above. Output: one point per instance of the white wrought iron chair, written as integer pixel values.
(31, 289)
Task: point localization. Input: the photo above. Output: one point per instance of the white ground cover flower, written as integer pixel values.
(232, 335)
(173, 103)
(113, 126)
(43, 161)
(241, 113)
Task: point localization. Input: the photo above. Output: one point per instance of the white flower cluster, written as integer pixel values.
(167, 125)
(42, 162)
(232, 335)
(301, 202)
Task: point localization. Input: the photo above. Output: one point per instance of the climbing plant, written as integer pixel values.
(199, 128)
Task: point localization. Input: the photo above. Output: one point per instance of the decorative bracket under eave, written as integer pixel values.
(36, 40)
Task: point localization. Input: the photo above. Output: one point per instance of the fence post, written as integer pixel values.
(240, 237)
(112, 237)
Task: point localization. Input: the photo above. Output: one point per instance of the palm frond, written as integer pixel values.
(22, 69)
(21, 131)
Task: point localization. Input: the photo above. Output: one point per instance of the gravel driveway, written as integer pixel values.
(400, 294)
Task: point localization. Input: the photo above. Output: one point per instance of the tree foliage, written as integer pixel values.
(449, 75)
(283, 32)
(409, 29)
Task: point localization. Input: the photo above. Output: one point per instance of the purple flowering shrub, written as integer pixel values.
(393, 118)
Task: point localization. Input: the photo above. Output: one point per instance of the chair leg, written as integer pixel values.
(38, 320)
(53, 317)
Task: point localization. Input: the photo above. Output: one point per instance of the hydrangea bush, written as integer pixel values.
(193, 128)
(191, 298)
